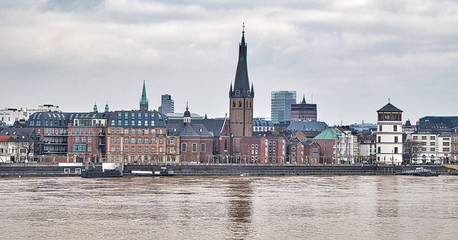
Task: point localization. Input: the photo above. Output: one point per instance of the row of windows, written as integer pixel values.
(395, 150)
(145, 149)
(396, 139)
(248, 104)
(140, 158)
(434, 149)
(138, 140)
(139, 123)
(135, 131)
(395, 128)
(389, 117)
(193, 147)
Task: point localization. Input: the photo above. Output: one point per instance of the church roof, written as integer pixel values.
(389, 108)
(241, 86)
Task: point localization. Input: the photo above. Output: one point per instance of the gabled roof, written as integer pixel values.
(307, 126)
(195, 130)
(214, 126)
(328, 134)
(389, 108)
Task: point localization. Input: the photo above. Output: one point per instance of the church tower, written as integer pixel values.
(144, 100)
(241, 97)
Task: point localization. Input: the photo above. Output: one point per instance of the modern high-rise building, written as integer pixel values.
(281, 105)
(303, 112)
(167, 104)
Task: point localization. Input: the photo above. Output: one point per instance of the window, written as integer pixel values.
(140, 131)
(396, 139)
(194, 147)
(446, 144)
(117, 139)
(160, 149)
(126, 149)
(314, 152)
(153, 140)
(146, 149)
(146, 140)
(395, 128)
(432, 143)
(202, 147)
(415, 137)
(146, 131)
(395, 150)
(118, 130)
(171, 150)
(423, 137)
(117, 148)
(446, 149)
(378, 150)
(112, 149)
(379, 139)
(139, 140)
(160, 140)
(380, 128)
(132, 131)
(139, 149)
(183, 147)
(126, 140)
(432, 137)
(432, 149)
(132, 149)
(153, 149)
(132, 140)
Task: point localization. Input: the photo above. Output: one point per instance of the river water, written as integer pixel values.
(242, 207)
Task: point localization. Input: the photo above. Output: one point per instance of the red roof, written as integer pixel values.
(5, 138)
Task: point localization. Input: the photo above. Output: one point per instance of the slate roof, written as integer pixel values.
(389, 108)
(242, 84)
(213, 126)
(195, 130)
(307, 126)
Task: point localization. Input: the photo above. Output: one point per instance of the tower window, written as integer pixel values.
(240, 103)
(233, 104)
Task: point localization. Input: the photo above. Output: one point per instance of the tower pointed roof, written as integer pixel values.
(241, 84)
(144, 99)
(303, 100)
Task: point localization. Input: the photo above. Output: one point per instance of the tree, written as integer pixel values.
(411, 149)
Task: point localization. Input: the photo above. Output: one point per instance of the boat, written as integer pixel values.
(107, 170)
(420, 171)
(163, 172)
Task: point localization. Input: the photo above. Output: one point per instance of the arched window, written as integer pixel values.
(233, 104)
(240, 103)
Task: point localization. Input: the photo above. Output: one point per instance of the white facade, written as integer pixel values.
(15, 151)
(10, 115)
(389, 135)
(435, 148)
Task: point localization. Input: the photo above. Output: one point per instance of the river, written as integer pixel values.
(242, 207)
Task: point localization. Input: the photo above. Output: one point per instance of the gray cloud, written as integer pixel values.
(351, 56)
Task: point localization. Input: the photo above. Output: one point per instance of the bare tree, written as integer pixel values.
(411, 149)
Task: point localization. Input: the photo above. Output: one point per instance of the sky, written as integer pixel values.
(348, 57)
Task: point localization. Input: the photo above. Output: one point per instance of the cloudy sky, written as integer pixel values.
(348, 57)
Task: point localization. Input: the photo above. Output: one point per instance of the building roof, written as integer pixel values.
(136, 118)
(307, 126)
(213, 126)
(143, 100)
(389, 108)
(328, 134)
(242, 84)
(195, 130)
(6, 138)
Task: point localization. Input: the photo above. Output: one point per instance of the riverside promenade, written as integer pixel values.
(54, 169)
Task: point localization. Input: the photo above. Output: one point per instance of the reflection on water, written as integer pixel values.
(239, 196)
(299, 207)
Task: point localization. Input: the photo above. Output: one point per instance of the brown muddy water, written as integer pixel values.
(299, 207)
